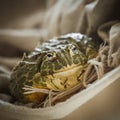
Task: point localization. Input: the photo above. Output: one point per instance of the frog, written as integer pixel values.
(55, 65)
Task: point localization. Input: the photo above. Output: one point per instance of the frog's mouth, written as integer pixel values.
(68, 68)
(67, 71)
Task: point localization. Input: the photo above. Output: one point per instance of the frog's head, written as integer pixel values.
(63, 57)
(64, 53)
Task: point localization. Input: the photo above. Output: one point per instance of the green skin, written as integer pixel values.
(53, 56)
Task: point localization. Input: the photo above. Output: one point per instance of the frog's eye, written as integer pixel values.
(74, 48)
(49, 55)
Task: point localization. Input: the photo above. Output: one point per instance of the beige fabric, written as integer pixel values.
(62, 18)
(83, 16)
(96, 18)
(21, 14)
(109, 52)
(113, 37)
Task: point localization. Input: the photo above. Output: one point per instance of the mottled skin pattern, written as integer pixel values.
(57, 65)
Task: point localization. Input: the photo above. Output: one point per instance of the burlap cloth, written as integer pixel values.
(24, 24)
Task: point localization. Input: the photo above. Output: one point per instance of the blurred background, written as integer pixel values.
(26, 23)
(23, 23)
(20, 28)
(20, 25)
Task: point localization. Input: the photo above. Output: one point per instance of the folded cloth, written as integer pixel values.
(95, 18)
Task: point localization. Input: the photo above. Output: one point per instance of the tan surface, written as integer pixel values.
(24, 23)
